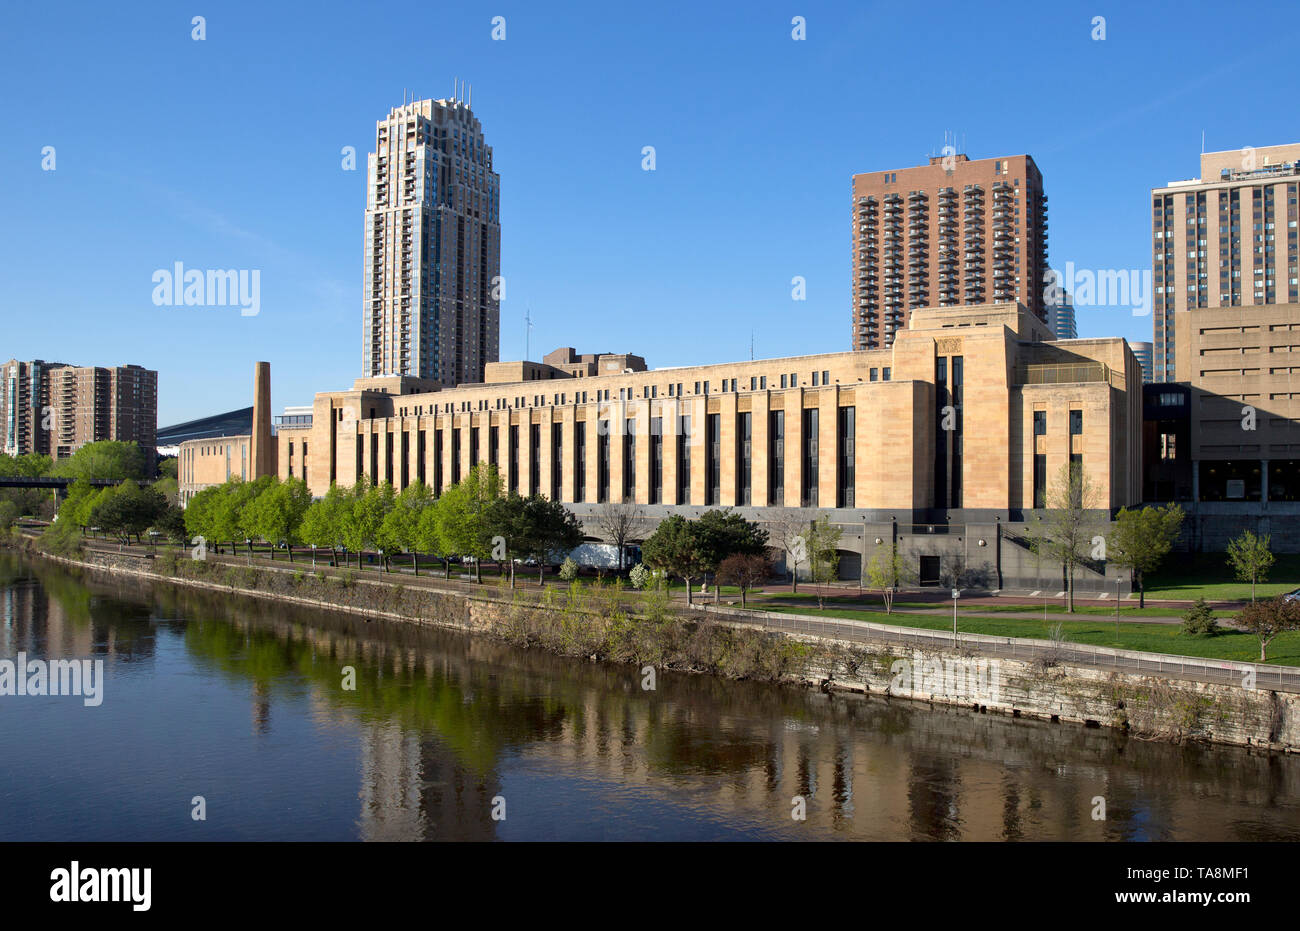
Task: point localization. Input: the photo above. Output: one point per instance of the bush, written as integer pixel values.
(639, 576)
(568, 569)
(1200, 619)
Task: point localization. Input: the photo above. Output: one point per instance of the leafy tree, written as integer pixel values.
(28, 465)
(1140, 540)
(1250, 558)
(674, 547)
(369, 504)
(105, 459)
(276, 512)
(1200, 619)
(722, 533)
(167, 468)
(8, 514)
(1266, 619)
(200, 514)
(744, 570)
(322, 522)
(568, 569)
(128, 511)
(888, 571)
(463, 515)
(546, 527)
(171, 524)
(400, 530)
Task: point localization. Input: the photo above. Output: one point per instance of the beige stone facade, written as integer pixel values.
(969, 409)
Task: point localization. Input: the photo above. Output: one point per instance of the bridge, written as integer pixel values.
(58, 485)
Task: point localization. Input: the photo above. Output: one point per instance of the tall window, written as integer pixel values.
(776, 458)
(602, 461)
(557, 462)
(579, 460)
(713, 441)
(745, 474)
(534, 458)
(629, 460)
(656, 460)
(514, 457)
(684, 459)
(845, 438)
(809, 479)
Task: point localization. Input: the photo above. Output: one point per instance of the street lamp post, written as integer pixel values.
(313, 555)
(956, 593)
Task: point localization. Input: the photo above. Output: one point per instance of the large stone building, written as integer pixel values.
(54, 409)
(953, 232)
(965, 421)
(1218, 243)
(432, 246)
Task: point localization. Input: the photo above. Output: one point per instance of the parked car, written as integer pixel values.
(1292, 596)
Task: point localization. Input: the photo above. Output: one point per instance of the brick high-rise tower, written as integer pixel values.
(432, 246)
(947, 233)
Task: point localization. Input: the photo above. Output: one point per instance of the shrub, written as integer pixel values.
(1200, 619)
(568, 569)
(639, 576)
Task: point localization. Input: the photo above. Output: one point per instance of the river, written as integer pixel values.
(237, 709)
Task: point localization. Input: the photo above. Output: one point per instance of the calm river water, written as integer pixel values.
(241, 702)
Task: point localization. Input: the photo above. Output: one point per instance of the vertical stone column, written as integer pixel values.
(793, 447)
(828, 459)
(671, 413)
(641, 410)
(762, 449)
(729, 460)
(699, 407)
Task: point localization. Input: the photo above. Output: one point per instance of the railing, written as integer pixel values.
(1070, 373)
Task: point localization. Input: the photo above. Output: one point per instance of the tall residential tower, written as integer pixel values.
(1217, 242)
(944, 234)
(432, 246)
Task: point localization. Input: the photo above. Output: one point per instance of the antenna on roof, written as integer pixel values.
(528, 332)
(470, 102)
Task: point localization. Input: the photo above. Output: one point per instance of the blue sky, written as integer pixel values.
(225, 153)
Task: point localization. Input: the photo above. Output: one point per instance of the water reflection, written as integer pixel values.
(440, 726)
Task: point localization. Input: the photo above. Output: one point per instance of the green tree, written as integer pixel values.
(674, 547)
(463, 515)
(1200, 619)
(889, 571)
(1250, 558)
(1140, 540)
(200, 514)
(428, 538)
(322, 522)
(171, 524)
(369, 504)
(106, 459)
(546, 527)
(128, 511)
(276, 512)
(722, 533)
(400, 530)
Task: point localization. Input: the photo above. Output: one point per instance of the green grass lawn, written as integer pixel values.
(1152, 638)
(975, 606)
(1206, 575)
